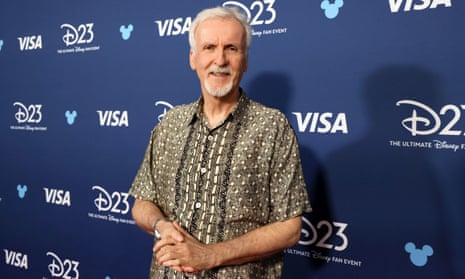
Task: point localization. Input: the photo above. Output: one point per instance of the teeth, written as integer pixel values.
(220, 74)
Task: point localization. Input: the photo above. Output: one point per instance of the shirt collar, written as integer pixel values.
(237, 110)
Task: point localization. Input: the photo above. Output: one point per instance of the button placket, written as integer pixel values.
(203, 167)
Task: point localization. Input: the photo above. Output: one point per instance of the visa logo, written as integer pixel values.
(173, 26)
(56, 196)
(30, 42)
(321, 123)
(395, 5)
(113, 118)
(16, 259)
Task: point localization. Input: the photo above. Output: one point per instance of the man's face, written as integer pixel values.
(220, 56)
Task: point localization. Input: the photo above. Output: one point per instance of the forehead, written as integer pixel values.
(223, 29)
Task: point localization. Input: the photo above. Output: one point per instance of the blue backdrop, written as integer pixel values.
(374, 90)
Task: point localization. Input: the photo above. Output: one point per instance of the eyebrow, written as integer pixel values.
(237, 45)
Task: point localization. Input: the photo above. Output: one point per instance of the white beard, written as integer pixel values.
(219, 92)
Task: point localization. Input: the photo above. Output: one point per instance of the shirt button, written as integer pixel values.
(210, 137)
(198, 205)
(203, 170)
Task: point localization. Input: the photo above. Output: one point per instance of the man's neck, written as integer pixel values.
(216, 109)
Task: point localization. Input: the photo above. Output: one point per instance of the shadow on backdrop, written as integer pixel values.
(274, 89)
(388, 195)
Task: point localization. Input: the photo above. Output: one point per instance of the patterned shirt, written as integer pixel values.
(222, 182)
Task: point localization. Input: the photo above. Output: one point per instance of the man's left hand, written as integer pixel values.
(189, 256)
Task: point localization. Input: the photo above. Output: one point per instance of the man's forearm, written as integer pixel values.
(189, 255)
(258, 243)
(145, 213)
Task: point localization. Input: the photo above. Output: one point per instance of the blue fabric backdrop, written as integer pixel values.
(374, 90)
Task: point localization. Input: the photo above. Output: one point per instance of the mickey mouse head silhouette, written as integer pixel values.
(70, 116)
(22, 189)
(418, 257)
(126, 31)
(331, 9)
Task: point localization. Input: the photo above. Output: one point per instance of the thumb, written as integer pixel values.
(181, 230)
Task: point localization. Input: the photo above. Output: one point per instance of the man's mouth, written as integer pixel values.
(219, 72)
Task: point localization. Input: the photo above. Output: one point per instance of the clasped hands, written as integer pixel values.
(178, 250)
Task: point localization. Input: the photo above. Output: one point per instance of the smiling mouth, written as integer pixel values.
(219, 74)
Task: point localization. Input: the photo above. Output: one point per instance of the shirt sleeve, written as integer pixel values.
(143, 186)
(289, 196)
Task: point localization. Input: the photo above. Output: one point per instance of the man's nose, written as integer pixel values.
(221, 58)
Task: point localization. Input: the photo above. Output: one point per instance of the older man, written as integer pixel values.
(221, 184)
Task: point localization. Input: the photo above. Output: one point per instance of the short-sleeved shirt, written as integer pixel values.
(220, 183)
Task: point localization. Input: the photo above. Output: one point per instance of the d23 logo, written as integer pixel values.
(258, 13)
(66, 269)
(425, 121)
(28, 114)
(323, 232)
(83, 34)
(116, 202)
(166, 106)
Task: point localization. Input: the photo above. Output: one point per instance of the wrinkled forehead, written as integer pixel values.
(225, 29)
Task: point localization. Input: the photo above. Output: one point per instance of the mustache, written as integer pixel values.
(219, 70)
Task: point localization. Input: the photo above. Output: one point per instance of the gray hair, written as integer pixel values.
(220, 12)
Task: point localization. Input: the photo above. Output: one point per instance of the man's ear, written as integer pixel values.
(191, 59)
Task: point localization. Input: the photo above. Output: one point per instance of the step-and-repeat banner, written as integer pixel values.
(375, 91)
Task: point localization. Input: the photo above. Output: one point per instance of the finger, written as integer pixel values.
(170, 257)
(184, 269)
(162, 243)
(178, 268)
(179, 236)
(174, 264)
(166, 254)
(181, 230)
(178, 227)
(189, 270)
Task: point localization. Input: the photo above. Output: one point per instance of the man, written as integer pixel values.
(221, 184)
